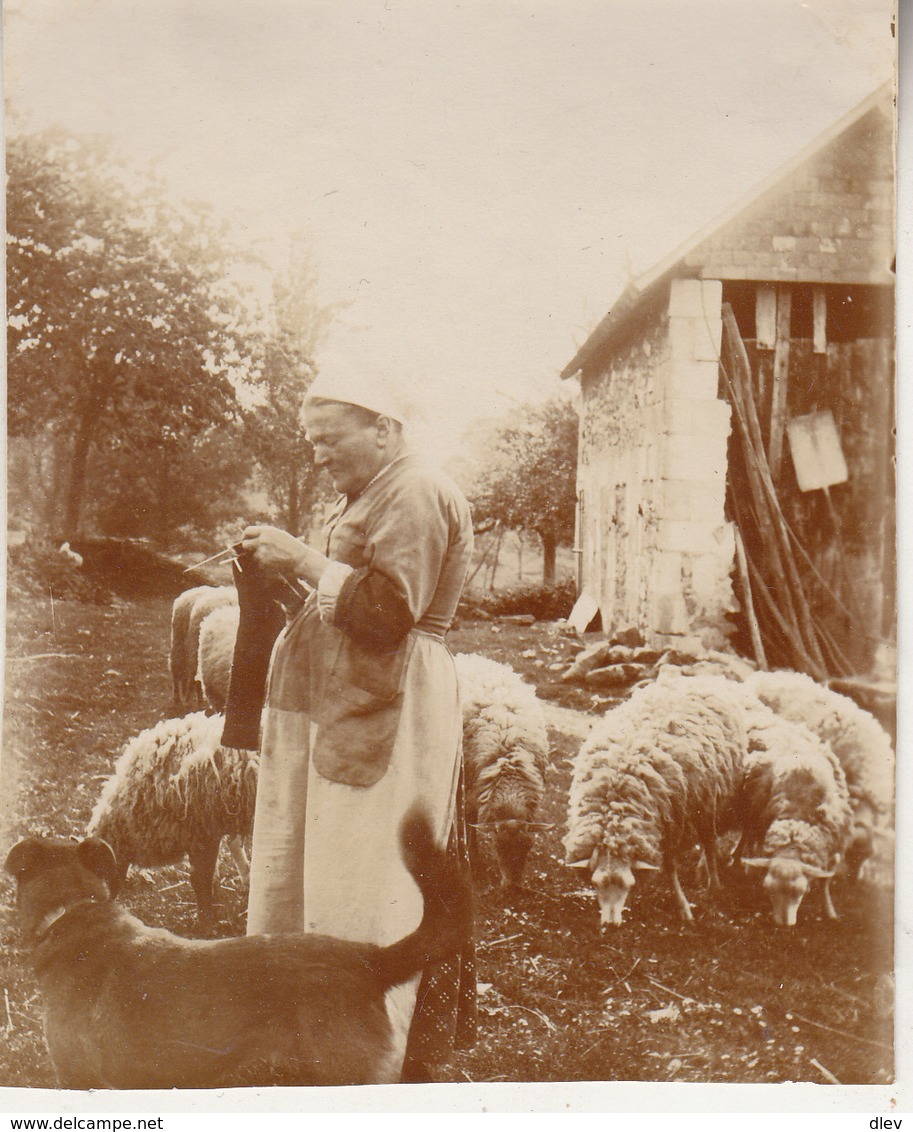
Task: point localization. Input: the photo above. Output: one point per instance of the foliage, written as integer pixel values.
(123, 333)
(527, 478)
(273, 428)
(545, 603)
(198, 485)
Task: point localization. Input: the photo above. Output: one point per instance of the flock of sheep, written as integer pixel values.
(793, 779)
(801, 774)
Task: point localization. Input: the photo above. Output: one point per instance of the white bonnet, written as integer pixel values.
(372, 390)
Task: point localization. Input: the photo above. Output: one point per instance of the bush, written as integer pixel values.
(38, 568)
(132, 567)
(545, 603)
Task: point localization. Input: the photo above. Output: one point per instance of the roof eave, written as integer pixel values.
(635, 290)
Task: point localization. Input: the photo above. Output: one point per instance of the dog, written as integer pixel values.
(127, 1006)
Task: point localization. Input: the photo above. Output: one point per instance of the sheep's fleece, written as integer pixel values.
(176, 791)
(505, 755)
(657, 773)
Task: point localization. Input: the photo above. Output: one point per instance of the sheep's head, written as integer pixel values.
(513, 841)
(613, 879)
(786, 881)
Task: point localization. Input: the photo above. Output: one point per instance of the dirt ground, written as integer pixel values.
(731, 998)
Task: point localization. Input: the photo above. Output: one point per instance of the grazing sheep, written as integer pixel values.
(657, 775)
(218, 631)
(213, 597)
(505, 756)
(793, 811)
(176, 791)
(183, 665)
(861, 744)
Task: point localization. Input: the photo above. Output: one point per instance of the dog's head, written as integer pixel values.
(53, 874)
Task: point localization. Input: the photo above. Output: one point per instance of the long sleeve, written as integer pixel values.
(406, 540)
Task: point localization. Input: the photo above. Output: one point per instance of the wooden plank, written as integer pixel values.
(819, 316)
(764, 385)
(754, 628)
(765, 316)
(580, 536)
(780, 383)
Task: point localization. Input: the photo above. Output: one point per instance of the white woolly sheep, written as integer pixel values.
(176, 791)
(212, 598)
(793, 811)
(862, 746)
(218, 632)
(793, 806)
(183, 666)
(657, 775)
(505, 756)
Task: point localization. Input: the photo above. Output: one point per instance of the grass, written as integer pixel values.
(730, 998)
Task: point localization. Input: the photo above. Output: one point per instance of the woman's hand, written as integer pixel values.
(278, 550)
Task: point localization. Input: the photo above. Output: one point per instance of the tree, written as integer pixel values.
(526, 481)
(189, 485)
(124, 337)
(274, 430)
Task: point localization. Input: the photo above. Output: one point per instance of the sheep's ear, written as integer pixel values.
(589, 863)
(645, 865)
(23, 856)
(817, 874)
(98, 857)
(756, 862)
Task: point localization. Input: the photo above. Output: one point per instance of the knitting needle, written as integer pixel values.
(230, 554)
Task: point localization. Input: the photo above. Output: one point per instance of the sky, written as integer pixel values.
(478, 180)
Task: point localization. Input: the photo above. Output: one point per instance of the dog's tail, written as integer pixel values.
(447, 893)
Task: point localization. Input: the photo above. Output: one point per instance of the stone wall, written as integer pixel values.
(656, 549)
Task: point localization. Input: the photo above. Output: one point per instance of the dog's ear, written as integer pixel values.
(23, 856)
(98, 857)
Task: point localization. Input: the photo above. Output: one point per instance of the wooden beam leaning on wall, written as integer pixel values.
(775, 575)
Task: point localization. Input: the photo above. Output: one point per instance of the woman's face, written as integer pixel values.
(351, 449)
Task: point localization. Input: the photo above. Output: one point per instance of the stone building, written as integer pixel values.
(676, 533)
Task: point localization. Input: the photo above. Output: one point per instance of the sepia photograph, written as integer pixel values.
(451, 587)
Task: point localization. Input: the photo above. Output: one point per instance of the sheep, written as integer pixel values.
(182, 664)
(212, 597)
(793, 811)
(218, 631)
(505, 758)
(176, 791)
(861, 744)
(792, 808)
(656, 775)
